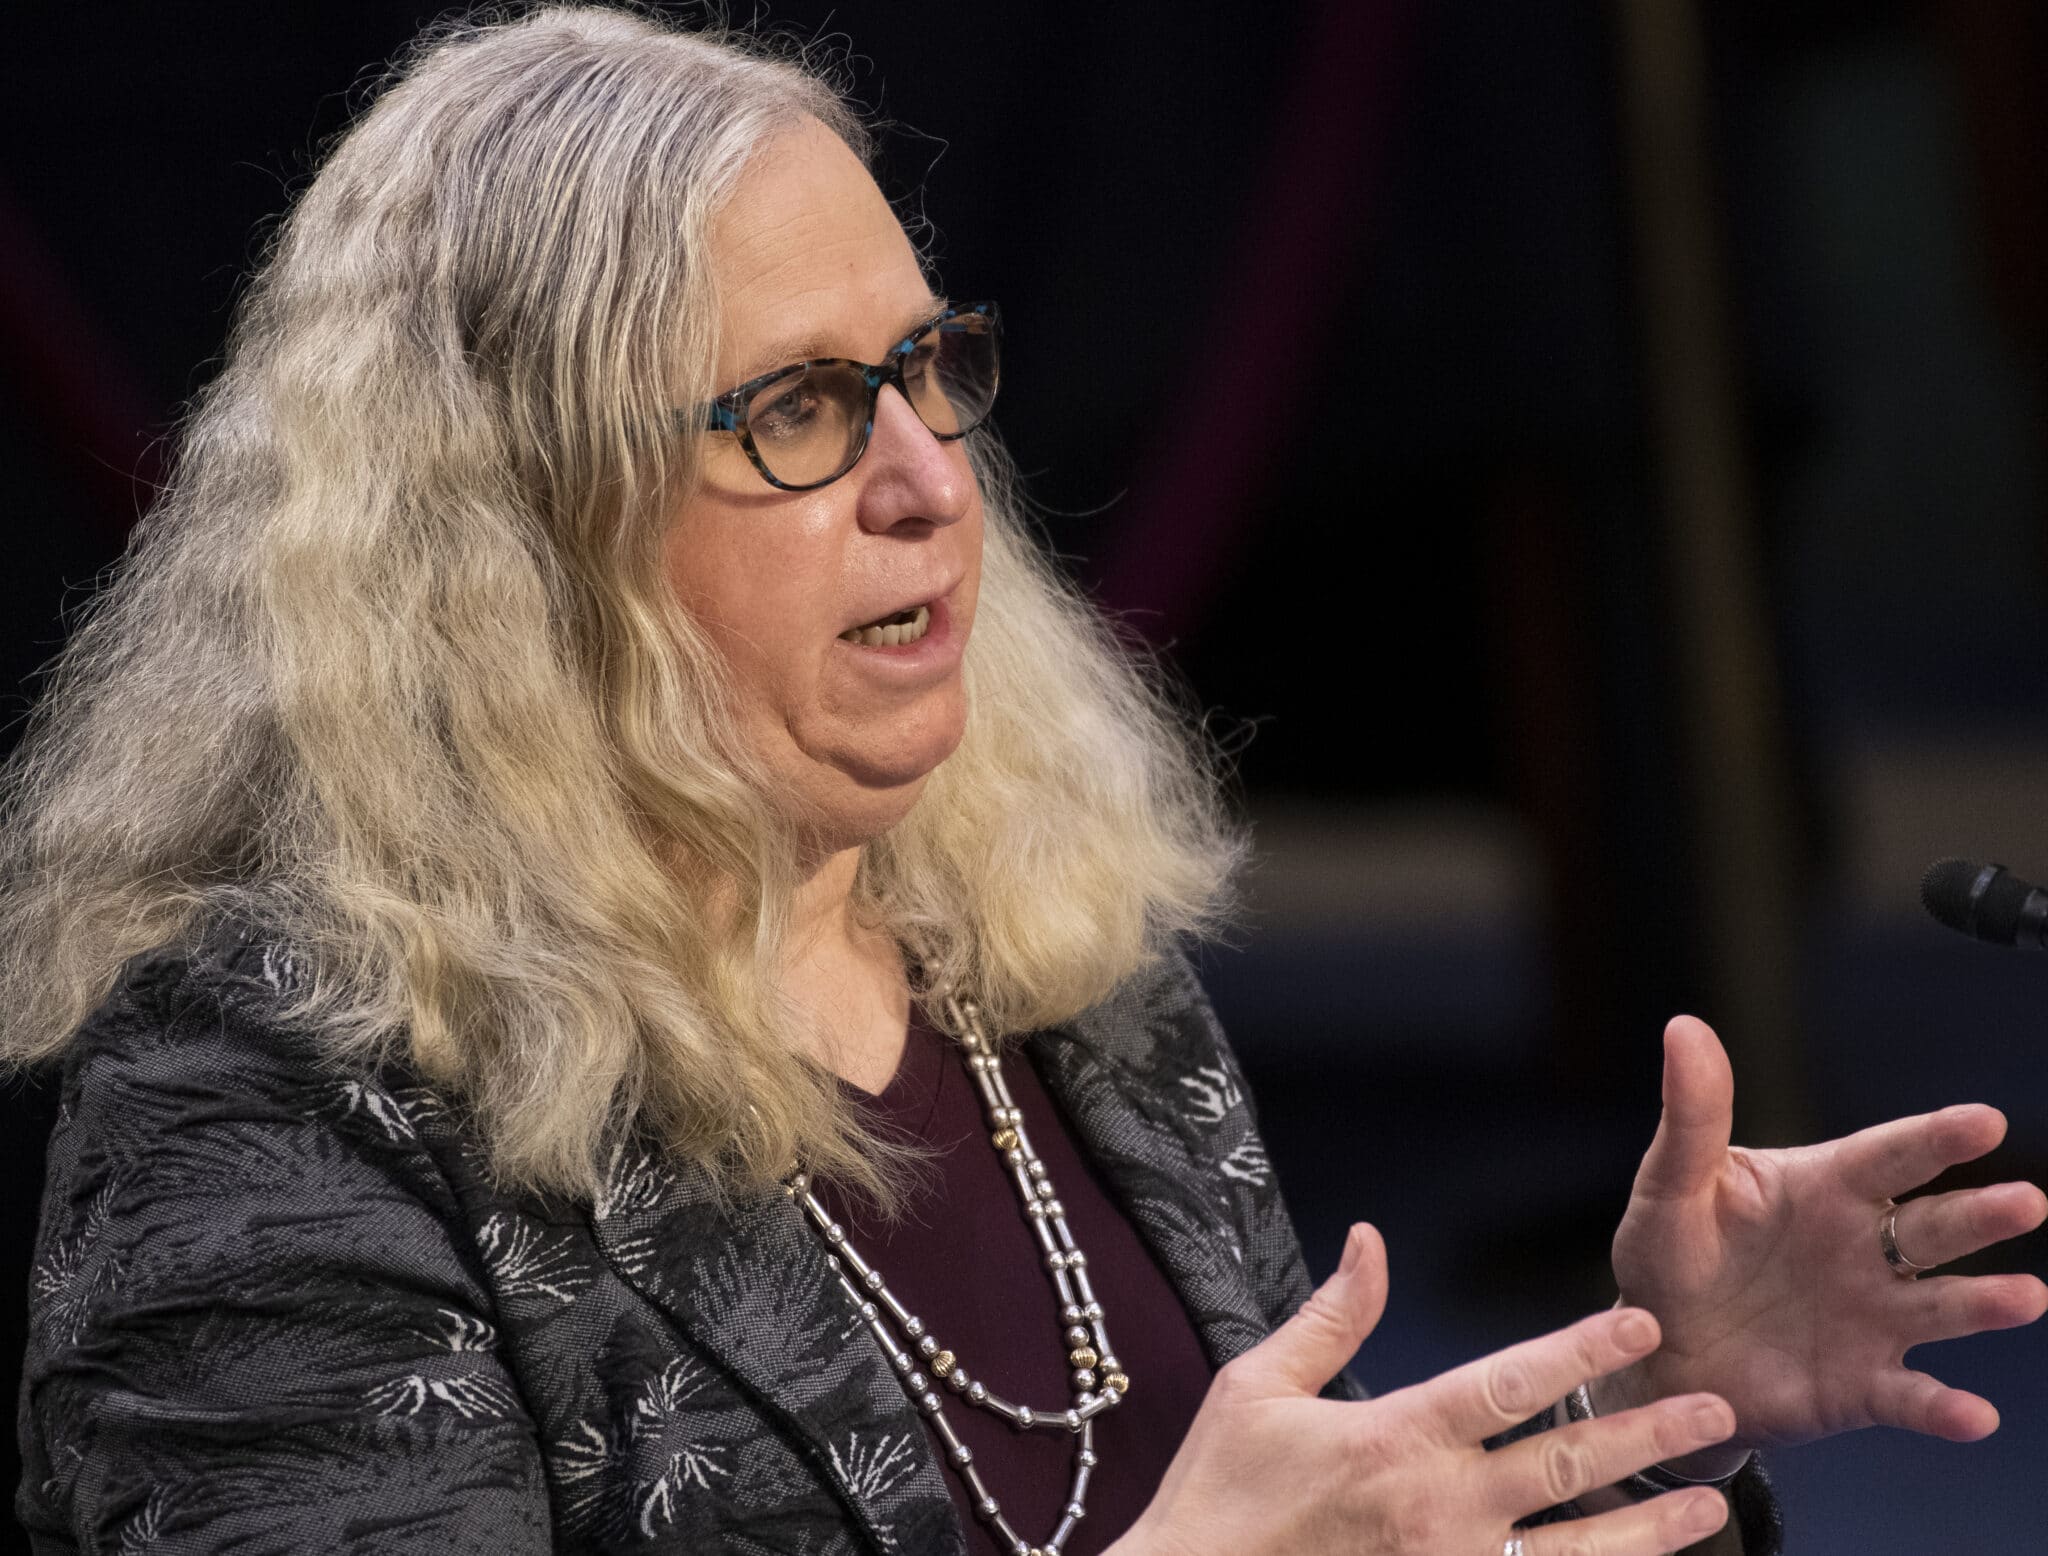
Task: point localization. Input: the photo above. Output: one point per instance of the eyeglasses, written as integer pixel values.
(807, 424)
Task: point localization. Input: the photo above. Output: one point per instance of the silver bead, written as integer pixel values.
(1036, 1169)
(1035, 1211)
(929, 1345)
(959, 1380)
(1024, 1415)
(1083, 1379)
(1055, 1261)
(1054, 1208)
(976, 1392)
(1014, 1155)
(868, 1310)
(916, 1383)
(1075, 1260)
(1076, 1511)
(1073, 1420)
(1092, 1312)
(1077, 1335)
(1072, 1314)
(1086, 1458)
(1044, 1189)
(873, 1280)
(929, 1403)
(835, 1234)
(963, 1456)
(987, 1508)
(914, 1327)
(1111, 1395)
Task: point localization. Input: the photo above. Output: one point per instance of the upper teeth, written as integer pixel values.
(894, 634)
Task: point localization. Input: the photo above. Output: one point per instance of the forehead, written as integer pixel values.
(809, 259)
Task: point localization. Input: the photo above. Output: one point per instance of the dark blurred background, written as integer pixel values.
(1589, 462)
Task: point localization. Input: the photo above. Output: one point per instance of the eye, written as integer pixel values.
(919, 360)
(785, 410)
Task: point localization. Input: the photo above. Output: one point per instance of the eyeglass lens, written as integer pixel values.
(810, 426)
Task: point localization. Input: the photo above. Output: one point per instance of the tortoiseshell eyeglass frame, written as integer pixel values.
(728, 412)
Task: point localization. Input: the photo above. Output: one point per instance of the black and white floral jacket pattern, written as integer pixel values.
(277, 1306)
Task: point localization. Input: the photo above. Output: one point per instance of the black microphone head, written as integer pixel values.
(1945, 892)
(1985, 901)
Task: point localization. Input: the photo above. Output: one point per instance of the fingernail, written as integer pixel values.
(1707, 1514)
(1634, 1333)
(1712, 1420)
(1354, 1249)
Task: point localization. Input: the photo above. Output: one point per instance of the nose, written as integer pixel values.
(909, 474)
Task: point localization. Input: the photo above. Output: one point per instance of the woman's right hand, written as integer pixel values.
(1270, 1467)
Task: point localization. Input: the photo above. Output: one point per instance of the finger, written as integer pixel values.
(1641, 1529)
(1699, 1111)
(1312, 1347)
(1949, 1307)
(1917, 1403)
(1470, 1403)
(1563, 1465)
(1894, 1158)
(1936, 1228)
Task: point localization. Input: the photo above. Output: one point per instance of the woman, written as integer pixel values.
(580, 727)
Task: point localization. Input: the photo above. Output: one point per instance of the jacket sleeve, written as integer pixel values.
(254, 1323)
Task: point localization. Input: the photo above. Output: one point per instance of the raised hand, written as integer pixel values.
(1269, 1467)
(1768, 1273)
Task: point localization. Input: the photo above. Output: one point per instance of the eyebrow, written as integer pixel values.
(792, 349)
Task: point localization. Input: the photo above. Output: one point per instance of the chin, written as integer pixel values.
(869, 796)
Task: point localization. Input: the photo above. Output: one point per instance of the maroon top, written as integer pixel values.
(964, 1259)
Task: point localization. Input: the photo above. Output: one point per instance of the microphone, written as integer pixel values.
(1986, 902)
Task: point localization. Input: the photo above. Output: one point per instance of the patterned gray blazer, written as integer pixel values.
(279, 1307)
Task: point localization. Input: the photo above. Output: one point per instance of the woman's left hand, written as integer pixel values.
(1768, 1275)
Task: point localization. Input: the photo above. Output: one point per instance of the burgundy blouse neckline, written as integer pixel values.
(963, 1258)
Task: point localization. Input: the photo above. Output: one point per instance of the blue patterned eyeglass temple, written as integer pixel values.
(805, 425)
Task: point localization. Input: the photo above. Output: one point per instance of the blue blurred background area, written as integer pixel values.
(1589, 464)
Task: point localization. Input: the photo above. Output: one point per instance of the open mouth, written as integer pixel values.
(905, 626)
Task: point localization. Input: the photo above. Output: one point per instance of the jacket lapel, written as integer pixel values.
(1154, 1097)
(749, 1284)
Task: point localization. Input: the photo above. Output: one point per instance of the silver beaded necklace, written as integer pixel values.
(1098, 1380)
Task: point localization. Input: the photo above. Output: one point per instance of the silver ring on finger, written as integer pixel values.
(1888, 1240)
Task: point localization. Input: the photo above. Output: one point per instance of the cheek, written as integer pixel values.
(762, 599)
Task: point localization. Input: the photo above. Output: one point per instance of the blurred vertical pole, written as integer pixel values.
(2001, 50)
(1730, 717)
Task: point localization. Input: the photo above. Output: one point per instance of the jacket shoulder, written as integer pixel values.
(252, 1311)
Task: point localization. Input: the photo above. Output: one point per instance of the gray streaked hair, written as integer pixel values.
(392, 668)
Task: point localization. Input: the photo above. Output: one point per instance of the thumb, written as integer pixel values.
(1312, 1347)
(1699, 1113)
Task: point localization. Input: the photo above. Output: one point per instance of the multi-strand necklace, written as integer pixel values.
(1097, 1379)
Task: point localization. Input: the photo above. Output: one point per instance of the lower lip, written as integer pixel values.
(937, 650)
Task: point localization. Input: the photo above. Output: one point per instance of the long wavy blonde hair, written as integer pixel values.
(392, 669)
